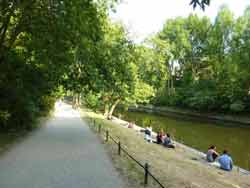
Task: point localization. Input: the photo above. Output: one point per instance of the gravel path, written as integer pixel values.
(62, 154)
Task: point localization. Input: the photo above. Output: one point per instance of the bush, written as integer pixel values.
(25, 93)
(163, 99)
(92, 101)
(4, 116)
(46, 103)
(237, 106)
(202, 100)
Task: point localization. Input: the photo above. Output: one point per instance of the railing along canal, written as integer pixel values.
(98, 128)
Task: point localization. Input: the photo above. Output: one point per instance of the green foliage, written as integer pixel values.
(4, 116)
(38, 44)
(163, 99)
(237, 106)
(47, 47)
(143, 93)
(92, 101)
(208, 63)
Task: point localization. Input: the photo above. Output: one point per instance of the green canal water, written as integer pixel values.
(200, 135)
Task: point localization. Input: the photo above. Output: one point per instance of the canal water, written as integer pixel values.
(200, 135)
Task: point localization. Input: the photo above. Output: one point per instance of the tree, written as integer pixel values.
(200, 3)
(38, 41)
(173, 39)
(212, 62)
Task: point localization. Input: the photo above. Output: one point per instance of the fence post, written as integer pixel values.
(99, 128)
(107, 135)
(119, 148)
(146, 174)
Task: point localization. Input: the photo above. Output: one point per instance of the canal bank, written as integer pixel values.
(187, 114)
(174, 168)
(202, 155)
(199, 134)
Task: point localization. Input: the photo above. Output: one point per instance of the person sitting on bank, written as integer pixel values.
(168, 142)
(131, 125)
(159, 138)
(212, 154)
(148, 132)
(225, 161)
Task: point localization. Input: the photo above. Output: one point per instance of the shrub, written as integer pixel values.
(92, 101)
(237, 106)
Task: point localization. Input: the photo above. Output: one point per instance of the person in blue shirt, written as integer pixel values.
(226, 162)
(168, 142)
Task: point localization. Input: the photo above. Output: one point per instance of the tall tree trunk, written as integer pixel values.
(168, 87)
(78, 100)
(172, 78)
(172, 85)
(106, 110)
(74, 101)
(113, 108)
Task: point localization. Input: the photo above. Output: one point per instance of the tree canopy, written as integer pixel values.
(39, 39)
(49, 47)
(208, 74)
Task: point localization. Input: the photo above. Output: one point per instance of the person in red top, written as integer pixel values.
(159, 138)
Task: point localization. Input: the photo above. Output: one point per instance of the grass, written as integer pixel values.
(174, 168)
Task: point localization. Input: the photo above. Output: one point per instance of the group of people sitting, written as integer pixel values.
(225, 161)
(164, 139)
(161, 138)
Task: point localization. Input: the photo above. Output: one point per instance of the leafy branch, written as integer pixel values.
(200, 3)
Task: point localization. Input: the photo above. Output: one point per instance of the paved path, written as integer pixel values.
(62, 154)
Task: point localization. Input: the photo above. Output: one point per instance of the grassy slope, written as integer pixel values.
(174, 168)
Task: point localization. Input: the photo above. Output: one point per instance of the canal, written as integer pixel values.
(200, 135)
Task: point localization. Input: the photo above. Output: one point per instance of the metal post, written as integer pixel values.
(119, 148)
(146, 174)
(107, 135)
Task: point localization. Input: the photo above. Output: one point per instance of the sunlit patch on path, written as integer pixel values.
(65, 110)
